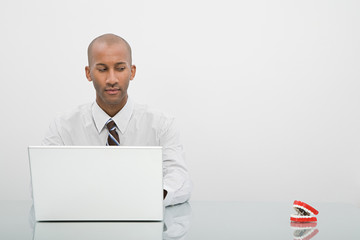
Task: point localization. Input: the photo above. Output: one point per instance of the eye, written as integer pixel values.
(101, 69)
(120, 69)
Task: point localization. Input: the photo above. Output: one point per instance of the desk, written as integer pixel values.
(190, 221)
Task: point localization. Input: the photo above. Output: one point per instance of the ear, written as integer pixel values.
(133, 72)
(87, 73)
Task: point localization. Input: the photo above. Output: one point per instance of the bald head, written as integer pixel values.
(108, 39)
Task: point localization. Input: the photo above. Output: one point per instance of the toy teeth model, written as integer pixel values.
(305, 212)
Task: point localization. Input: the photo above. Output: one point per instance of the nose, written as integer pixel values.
(111, 78)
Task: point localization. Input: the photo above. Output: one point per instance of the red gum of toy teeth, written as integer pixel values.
(305, 207)
(297, 218)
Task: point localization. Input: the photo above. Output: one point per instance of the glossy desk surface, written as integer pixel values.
(194, 220)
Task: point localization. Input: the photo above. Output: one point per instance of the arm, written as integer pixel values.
(177, 183)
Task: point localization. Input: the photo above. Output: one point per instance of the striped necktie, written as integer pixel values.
(113, 138)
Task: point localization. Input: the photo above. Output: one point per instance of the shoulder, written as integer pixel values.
(79, 113)
(144, 111)
(153, 118)
(63, 126)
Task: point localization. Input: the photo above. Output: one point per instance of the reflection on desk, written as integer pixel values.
(177, 221)
(97, 230)
(304, 230)
(175, 226)
(203, 220)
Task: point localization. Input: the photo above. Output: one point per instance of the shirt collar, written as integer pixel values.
(121, 119)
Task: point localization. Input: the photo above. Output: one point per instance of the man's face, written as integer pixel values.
(110, 71)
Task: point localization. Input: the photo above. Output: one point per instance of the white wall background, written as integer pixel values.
(266, 93)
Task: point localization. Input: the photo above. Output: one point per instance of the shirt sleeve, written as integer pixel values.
(176, 178)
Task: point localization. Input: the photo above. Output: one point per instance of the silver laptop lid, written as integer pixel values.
(72, 183)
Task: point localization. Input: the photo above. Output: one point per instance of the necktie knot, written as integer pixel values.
(111, 125)
(113, 137)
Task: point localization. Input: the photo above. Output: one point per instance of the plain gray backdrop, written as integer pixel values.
(265, 93)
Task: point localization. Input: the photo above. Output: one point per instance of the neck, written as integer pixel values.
(112, 109)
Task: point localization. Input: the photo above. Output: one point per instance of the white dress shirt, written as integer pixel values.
(137, 125)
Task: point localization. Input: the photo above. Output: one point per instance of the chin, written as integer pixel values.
(114, 101)
(114, 104)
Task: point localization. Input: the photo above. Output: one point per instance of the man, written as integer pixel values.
(111, 70)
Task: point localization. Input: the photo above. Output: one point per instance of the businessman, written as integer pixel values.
(115, 119)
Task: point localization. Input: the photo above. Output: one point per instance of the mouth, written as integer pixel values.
(112, 91)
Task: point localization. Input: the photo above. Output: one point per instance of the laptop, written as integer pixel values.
(102, 183)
